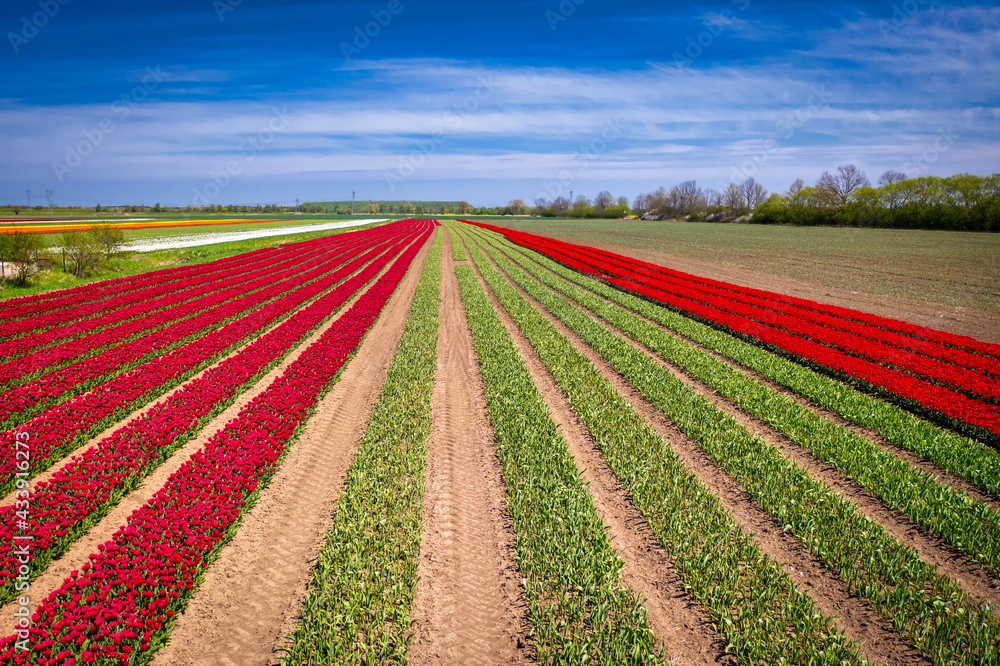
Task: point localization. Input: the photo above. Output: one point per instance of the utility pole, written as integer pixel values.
(352, 202)
(29, 199)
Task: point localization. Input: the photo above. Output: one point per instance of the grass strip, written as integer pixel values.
(362, 588)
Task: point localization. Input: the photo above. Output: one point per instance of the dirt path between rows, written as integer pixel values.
(978, 324)
(832, 596)
(679, 623)
(252, 595)
(469, 606)
(79, 552)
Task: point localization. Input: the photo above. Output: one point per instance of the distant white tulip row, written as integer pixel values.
(171, 242)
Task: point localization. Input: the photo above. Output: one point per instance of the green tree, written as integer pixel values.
(109, 239)
(22, 256)
(82, 254)
(615, 212)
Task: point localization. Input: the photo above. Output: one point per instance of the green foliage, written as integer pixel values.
(754, 604)
(959, 203)
(109, 239)
(457, 250)
(968, 525)
(81, 251)
(23, 256)
(961, 456)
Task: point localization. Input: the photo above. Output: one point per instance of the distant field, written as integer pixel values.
(207, 224)
(952, 268)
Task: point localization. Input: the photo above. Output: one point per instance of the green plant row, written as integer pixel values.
(931, 610)
(970, 526)
(958, 455)
(361, 590)
(764, 617)
(580, 609)
(457, 251)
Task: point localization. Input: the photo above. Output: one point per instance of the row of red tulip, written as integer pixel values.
(31, 397)
(184, 306)
(95, 479)
(923, 346)
(122, 602)
(55, 325)
(885, 323)
(60, 428)
(120, 290)
(868, 346)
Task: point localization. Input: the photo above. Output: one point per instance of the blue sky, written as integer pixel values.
(260, 101)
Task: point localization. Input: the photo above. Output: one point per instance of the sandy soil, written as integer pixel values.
(469, 606)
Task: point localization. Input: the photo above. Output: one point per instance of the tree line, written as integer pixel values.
(963, 202)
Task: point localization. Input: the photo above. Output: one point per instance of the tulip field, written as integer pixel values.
(257, 460)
